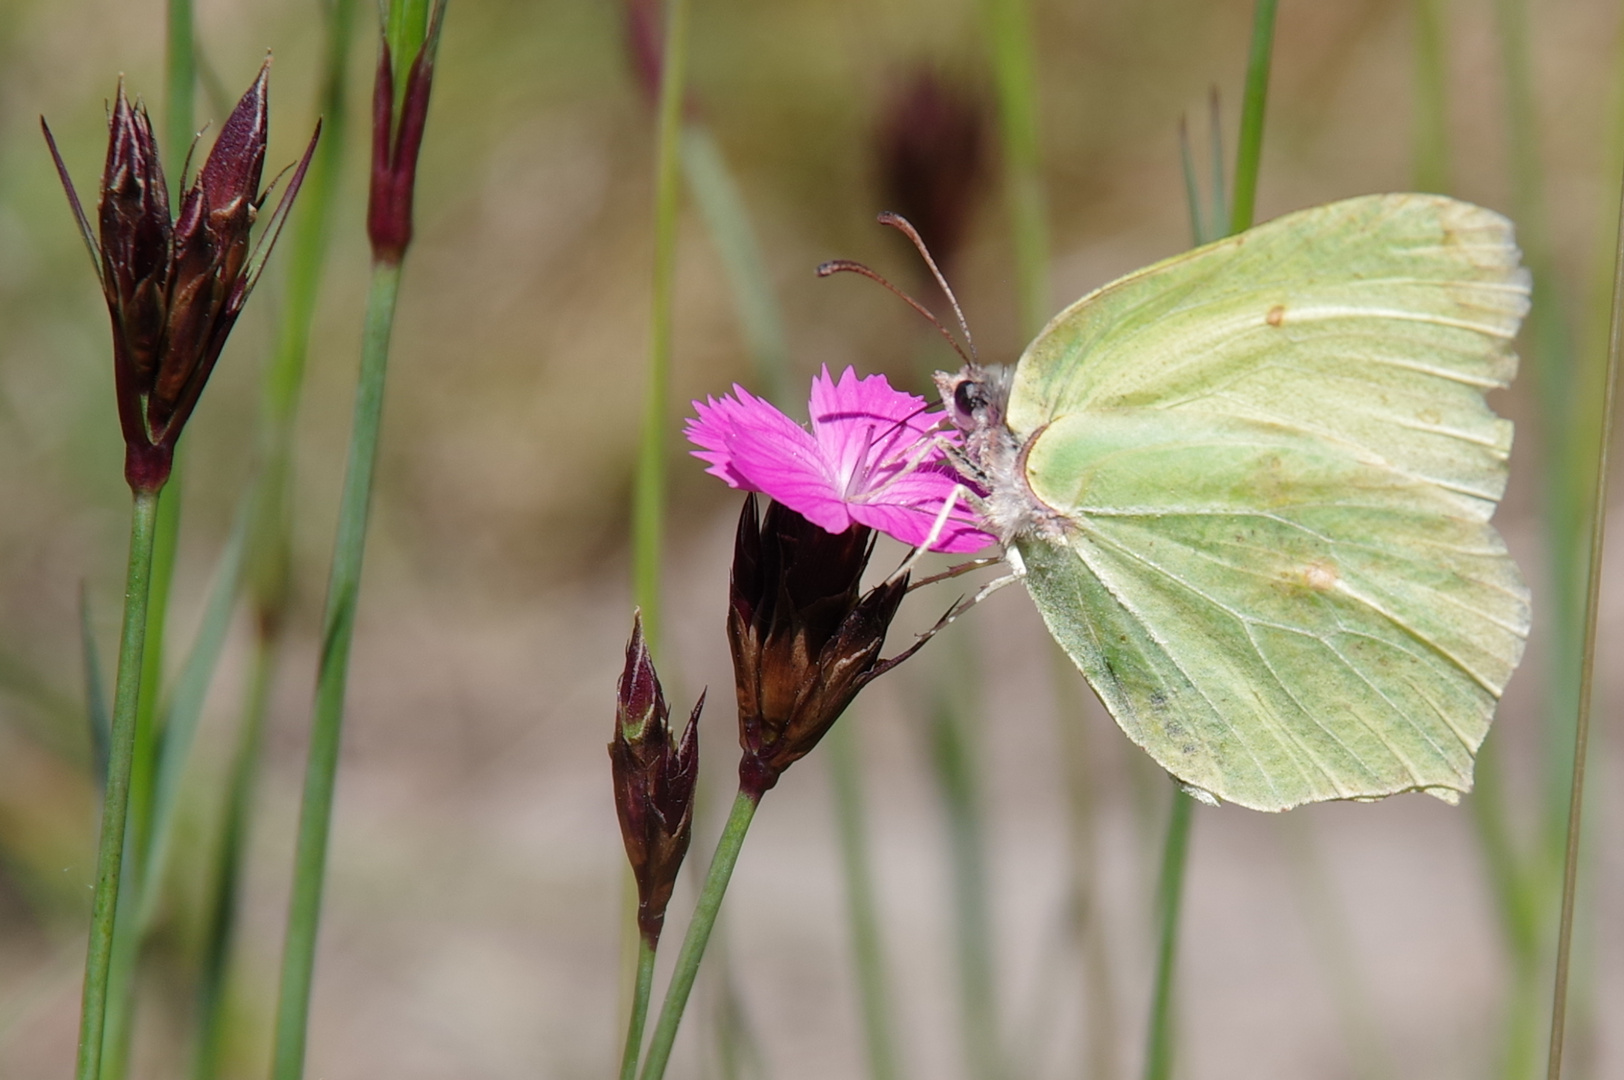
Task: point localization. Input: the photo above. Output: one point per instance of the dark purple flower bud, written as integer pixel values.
(645, 48)
(397, 139)
(644, 45)
(654, 778)
(929, 144)
(135, 234)
(804, 640)
(174, 290)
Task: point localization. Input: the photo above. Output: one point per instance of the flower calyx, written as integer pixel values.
(804, 639)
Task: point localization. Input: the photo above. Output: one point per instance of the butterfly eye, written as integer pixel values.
(967, 398)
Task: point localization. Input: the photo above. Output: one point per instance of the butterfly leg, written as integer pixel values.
(952, 613)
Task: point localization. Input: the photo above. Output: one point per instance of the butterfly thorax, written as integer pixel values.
(990, 458)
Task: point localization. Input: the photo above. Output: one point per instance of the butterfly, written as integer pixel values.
(1249, 490)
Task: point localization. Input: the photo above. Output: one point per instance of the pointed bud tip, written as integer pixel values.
(640, 700)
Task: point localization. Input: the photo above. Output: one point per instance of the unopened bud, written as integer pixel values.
(397, 139)
(654, 777)
(929, 145)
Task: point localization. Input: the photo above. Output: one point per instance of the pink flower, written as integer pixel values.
(873, 457)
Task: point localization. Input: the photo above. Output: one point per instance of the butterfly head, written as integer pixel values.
(975, 397)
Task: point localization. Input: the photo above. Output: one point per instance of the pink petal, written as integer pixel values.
(874, 456)
(790, 468)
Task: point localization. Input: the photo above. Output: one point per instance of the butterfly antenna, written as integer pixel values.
(838, 266)
(902, 225)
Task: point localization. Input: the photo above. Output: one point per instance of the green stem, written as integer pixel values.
(1249, 147)
(115, 803)
(1101, 1021)
(1581, 736)
(1431, 108)
(699, 932)
(220, 928)
(716, 193)
(648, 499)
(641, 993)
(1565, 386)
(338, 626)
(1014, 72)
(180, 83)
(1169, 901)
(861, 905)
(955, 761)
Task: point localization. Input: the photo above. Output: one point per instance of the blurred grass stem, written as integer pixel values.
(1015, 76)
(727, 219)
(220, 911)
(698, 935)
(649, 496)
(1169, 901)
(1432, 108)
(955, 762)
(180, 83)
(338, 626)
(1581, 738)
(873, 986)
(115, 804)
(1249, 145)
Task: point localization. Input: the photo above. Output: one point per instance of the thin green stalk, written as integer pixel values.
(641, 993)
(1169, 900)
(1015, 76)
(699, 932)
(862, 907)
(1431, 106)
(221, 914)
(115, 804)
(1102, 1022)
(1581, 740)
(721, 203)
(101, 724)
(648, 500)
(1218, 225)
(1565, 389)
(181, 718)
(954, 759)
(1249, 146)
(180, 83)
(119, 1027)
(1192, 188)
(338, 626)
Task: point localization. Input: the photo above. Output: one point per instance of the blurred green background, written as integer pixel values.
(474, 902)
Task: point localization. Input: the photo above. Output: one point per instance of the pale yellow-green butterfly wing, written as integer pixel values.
(1275, 469)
